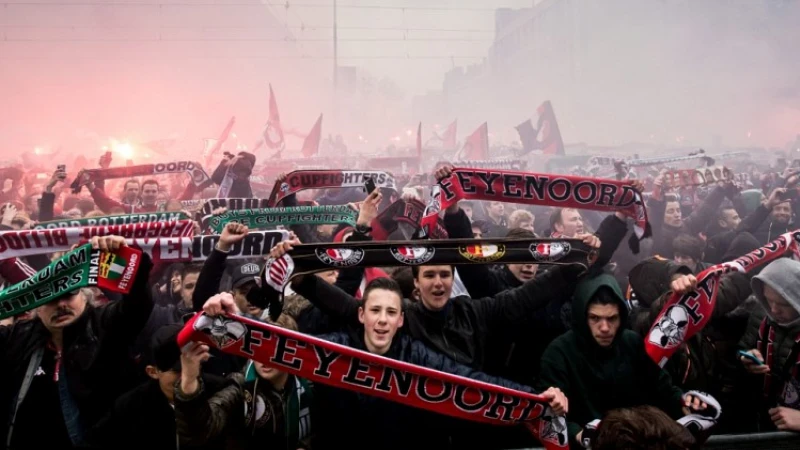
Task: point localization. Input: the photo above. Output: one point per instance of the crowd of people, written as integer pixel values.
(96, 369)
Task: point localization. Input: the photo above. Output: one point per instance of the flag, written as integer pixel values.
(476, 146)
(547, 132)
(449, 136)
(527, 135)
(112, 266)
(273, 124)
(419, 140)
(311, 143)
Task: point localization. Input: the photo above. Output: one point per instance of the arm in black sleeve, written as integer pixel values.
(302, 231)
(700, 217)
(513, 310)
(209, 279)
(611, 232)
(752, 222)
(330, 299)
(349, 279)
(126, 318)
(46, 206)
(479, 280)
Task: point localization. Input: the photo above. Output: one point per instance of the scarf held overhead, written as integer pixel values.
(539, 189)
(17, 243)
(323, 179)
(684, 315)
(311, 258)
(295, 215)
(82, 267)
(348, 368)
(103, 221)
(195, 171)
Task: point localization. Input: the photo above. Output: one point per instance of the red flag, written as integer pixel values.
(273, 124)
(476, 146)
(449, 136)
(548, 135)
(311, 143)
(419, 140)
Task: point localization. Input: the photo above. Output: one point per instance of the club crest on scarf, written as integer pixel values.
(549, 252)
(482, 253)
(553, 428)
(222, 330)
(670, 330)
(412, 255)
(278, 271)
(340, 257)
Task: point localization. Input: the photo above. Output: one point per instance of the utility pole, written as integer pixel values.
(335, 50)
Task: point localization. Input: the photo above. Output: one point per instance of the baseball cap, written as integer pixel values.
(164, 352)
(244, 274)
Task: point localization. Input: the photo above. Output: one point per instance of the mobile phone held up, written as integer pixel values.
(369, 185)
(751, 357)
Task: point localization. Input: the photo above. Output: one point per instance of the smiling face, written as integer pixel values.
(435, 284)
(381, 315)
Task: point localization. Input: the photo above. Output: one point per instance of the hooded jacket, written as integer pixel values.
(597, 379)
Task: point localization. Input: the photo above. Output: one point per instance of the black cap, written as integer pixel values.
(244, 274)
(164, 352)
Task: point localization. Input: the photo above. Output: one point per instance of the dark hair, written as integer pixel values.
(387, 284)
(671, 198)
(129, 181)
(555, 218)
(688, 245)
(604, 296)
(190, 268)
(415, 270)
(520, 233)
(642, 427)
(405, 279)
(150, 181)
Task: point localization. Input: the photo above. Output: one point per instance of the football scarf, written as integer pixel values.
(17, 243)
(506, 164)
(323, 179)
(539, 189)
(696, 177)
(344, 367)
(126, 219)
(233, 203)
(311, 258)
(195, 171)
(296, 215)
(684, 315)
(82, 267)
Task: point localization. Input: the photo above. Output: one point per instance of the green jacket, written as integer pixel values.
(597, 379)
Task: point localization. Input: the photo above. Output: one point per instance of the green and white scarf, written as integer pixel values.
(295, 215)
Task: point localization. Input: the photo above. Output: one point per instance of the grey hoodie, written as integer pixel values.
(782, 275)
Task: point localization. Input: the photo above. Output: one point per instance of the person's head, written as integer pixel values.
(245, 278)
(466, 206)
(434, 284)
(85, 205)
(479, 228)
(604, 317)
(641, 428)
(495, 210)
(173, 205)
(778, 290)
(276, 377)
(687, 250)
(163, 359)
(189, 276)
(521, 219)
(330, 276)
(130, 191)
(381, 313)
(782, 213)
(566, 221)
(728, 218)
(149, 192)
(522, 272)
(60, 313)
(672, 213)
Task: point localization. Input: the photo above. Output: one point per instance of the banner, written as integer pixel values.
(82, 267)
(538, 189)
(18, 243)
(311, 258)
(296, 215)
(126, 219)
(344, 367)
(323, 179)
(684, 315)
(682, 178)
(195, 171)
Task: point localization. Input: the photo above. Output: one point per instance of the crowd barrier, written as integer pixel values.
(755, 441)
